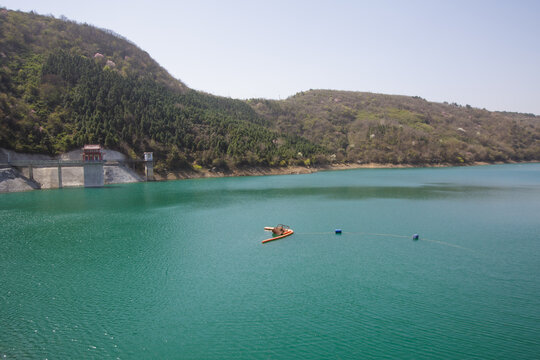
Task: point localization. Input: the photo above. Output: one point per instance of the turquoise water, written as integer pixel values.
(177, 269)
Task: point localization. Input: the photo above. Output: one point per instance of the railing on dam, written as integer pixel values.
(68, 163)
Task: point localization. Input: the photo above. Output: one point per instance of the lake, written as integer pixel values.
(177, 269)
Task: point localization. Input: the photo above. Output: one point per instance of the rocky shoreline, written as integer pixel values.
(295, 170)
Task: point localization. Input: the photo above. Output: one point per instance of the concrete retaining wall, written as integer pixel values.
(93, 174)
(47, 177)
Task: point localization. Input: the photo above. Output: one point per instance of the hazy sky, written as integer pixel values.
(482, 53)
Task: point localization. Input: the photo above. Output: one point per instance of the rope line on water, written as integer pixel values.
(355, 233)
(447, 244)
(388, 235)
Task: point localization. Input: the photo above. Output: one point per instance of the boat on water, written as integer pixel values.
(280, 231)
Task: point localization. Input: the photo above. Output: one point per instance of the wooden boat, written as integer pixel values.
(285, 234)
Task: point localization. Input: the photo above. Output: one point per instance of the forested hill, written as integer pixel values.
(379, 128)
(64, 84)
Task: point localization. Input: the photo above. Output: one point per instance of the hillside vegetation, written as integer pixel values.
(367, 127)
(64, 84)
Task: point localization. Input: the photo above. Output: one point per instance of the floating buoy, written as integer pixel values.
(415, 237)
(338, 231)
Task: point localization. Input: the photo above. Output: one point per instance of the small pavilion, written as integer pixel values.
(92, 153)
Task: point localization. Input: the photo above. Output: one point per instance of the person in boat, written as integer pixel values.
(280, 229)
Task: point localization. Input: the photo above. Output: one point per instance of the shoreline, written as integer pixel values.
(14, 181)
(297, 170)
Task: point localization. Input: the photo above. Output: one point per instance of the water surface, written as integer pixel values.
(177, 269)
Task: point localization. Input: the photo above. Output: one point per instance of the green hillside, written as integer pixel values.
(64, 84)
(366, 127)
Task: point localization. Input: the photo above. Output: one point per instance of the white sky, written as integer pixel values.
(482, 53)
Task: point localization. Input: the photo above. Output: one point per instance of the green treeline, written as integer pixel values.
(73, 100)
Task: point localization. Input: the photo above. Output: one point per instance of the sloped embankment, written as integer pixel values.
(12, 181)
